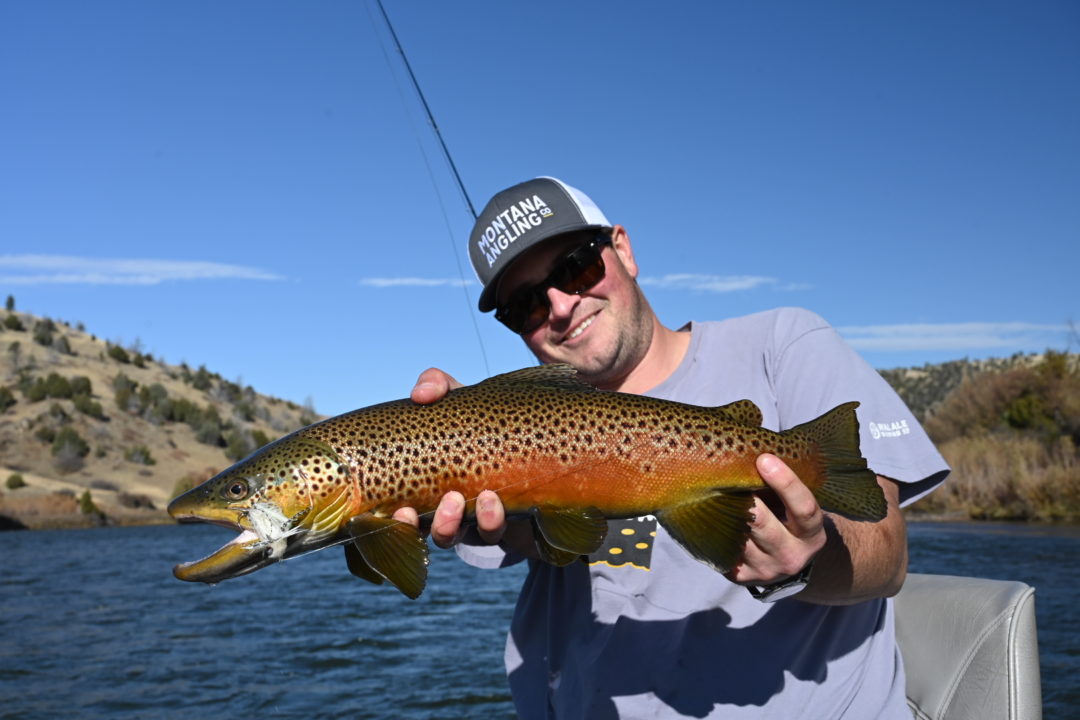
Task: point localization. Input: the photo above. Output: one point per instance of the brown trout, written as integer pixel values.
(555, 449)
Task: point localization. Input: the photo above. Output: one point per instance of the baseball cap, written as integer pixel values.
(518, 218)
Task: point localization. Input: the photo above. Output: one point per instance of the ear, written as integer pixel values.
(620, 243)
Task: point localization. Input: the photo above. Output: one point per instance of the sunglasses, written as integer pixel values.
(579, 270)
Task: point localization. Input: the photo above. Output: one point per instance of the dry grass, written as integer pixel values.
(1011, 439)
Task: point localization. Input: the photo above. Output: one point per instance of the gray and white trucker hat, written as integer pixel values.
(518, 218)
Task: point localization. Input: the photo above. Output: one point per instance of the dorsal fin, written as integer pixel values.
(555, 375)
(744, 412)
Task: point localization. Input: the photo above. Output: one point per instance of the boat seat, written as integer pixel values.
(970, 649)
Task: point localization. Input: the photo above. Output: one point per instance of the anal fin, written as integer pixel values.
(564, 534)
(392, 549)
(713, 529)
(358, 565)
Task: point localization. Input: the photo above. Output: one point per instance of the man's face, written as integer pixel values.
(603, 332)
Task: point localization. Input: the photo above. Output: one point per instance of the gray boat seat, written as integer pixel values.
(969, 647)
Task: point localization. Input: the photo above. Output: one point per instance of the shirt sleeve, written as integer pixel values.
(812, 370)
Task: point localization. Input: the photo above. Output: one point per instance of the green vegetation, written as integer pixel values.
(119, 354)
(69, 449)
(7, 398)
(87, 506)
(15, 481)
(11, 322)
(140, 454)
(10, 304)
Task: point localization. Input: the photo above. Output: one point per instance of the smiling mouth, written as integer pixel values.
(580, 328)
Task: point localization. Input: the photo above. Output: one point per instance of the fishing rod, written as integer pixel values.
(453, 169)
(427, 109)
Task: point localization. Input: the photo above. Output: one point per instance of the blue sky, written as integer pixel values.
(252, 185)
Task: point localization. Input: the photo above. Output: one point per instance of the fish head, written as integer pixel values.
(284, 499)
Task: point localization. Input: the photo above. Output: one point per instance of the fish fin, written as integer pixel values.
(573, 531)
(358, 565)
(553, 555)
(713, 529)
(556, 375)
(850, 489)
(393, 549)
(744, 412)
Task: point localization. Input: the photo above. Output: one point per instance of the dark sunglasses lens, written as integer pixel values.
(578, 271)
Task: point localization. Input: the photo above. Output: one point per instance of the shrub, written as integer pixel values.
(43, 332)
(7, 398)
(119, 354)
(15, 481)
(53, 386)
(237, 445)
(62, 346)
(69, 449)
(259, 438)
(140, 454)
(87, 406)
(11, 322)
(86, 504)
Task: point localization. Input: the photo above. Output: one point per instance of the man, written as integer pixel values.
(802, 627)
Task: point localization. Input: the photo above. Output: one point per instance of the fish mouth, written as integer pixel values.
(265, 536)
(243, 554)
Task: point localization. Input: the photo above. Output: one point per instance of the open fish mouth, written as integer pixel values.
(245, 553)
(264, 538)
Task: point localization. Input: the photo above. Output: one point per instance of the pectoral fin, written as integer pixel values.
(713, 530)
(392, 549)
(564, 534)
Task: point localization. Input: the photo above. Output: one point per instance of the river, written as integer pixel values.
(94, 625)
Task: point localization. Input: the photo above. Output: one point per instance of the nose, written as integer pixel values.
(562, 305)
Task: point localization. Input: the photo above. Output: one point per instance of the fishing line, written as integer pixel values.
(431, 513)
(427, 164)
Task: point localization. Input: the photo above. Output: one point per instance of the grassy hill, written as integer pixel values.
(92, 432)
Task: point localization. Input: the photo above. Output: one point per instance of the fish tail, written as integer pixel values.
(850, 488)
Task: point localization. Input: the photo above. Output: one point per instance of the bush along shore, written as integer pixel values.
(1010, 430)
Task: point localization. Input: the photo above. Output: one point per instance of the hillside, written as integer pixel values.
(1009, 429)
(92, 432)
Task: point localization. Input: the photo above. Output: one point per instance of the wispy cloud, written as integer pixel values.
(376, 282)
(707, 283)
(952, 336)
(70, 270)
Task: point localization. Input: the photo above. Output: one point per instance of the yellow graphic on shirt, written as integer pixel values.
(629, 543)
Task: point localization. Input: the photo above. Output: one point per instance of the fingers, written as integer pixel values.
(446, 524)
(432, 385)
(490, 517)
(803, 514)
(781, 547)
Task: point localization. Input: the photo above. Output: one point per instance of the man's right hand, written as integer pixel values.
(446, 525)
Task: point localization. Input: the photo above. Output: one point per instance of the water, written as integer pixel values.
(94, 625)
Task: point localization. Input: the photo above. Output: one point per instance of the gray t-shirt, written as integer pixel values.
(645, 631)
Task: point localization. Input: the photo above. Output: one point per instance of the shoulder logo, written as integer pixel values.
(892, 429)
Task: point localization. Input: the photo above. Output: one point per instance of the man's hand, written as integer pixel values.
(853, 561)
(781, 543)
(446, 525)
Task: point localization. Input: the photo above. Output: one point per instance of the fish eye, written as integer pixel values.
(235, 490)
